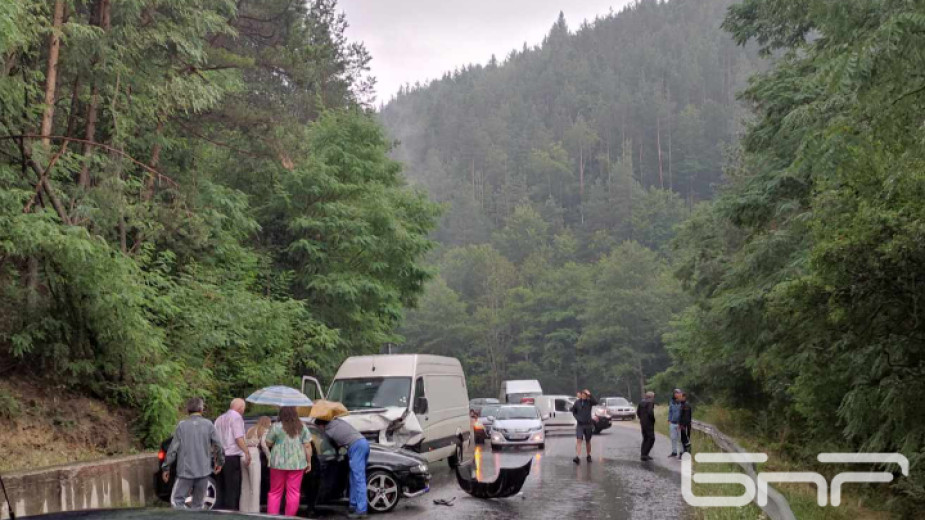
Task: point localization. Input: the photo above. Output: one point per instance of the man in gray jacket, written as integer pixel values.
(198, 452)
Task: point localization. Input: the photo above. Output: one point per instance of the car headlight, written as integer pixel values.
(419, 469)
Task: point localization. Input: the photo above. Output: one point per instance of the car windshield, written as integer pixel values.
(372, 392)
(617, 401)
(489, 411)
(518, 412)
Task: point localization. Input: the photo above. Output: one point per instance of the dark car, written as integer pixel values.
(391, 473)
(481, 426)
(477, 404)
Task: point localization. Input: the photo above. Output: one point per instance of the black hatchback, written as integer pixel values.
(391, 474)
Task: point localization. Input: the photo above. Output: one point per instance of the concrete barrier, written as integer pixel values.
(117, 482)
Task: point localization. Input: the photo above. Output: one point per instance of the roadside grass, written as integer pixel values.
(703, 443)
(802, 497)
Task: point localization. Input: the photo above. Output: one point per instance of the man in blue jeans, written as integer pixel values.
(674, 417)
(344, 435)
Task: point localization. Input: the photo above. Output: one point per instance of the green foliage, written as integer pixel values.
(214, 211)
(805, 270)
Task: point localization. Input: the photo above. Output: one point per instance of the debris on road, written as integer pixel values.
(509, 481)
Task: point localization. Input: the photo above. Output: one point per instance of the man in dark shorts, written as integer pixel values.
(583, 412)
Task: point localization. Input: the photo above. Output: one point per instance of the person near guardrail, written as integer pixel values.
(192, 447)
(684, 424)
(290, 445)
(230, 427)
(344, 435)
(646, 413)
(674, 417)
(255, 439)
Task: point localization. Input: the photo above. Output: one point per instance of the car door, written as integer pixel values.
(311, 387)
(332, 475)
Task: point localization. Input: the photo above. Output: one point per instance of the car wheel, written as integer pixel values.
(382, 491)
(542, 447)
(208, 503)
(457, 456)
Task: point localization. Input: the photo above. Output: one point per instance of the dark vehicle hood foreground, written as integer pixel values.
(160, 513)
(393, 456)
(508, 483)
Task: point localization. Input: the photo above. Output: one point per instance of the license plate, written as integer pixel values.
(518, 437)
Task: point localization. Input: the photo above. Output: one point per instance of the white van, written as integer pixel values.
(514, 392)
(555, 410)
(415, 401)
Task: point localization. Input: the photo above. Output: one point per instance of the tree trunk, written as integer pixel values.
(103, 10)
(51, 75)
(658, 143)
(642, 379)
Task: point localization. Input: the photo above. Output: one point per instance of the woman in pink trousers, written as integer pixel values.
(290, 445)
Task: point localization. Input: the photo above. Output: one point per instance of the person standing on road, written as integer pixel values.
(193, 444)
(685, 423)
(290, 445)
(255, 439)
(230, 427)
(674, 417)
(344, 435)
(584, 430)
(646, 413)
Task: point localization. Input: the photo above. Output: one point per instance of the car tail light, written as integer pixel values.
(478, 426)
(161, 455)
(527, 400)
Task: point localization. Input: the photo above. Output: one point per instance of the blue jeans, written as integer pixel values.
(358, 454)
(675, 435)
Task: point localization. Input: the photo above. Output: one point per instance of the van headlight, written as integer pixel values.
(419, 469)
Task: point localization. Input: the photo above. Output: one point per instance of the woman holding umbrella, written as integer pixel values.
(290, 445)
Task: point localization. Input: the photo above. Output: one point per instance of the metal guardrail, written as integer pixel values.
(777, 507)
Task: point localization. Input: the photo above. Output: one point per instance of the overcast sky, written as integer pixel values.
(418, 40)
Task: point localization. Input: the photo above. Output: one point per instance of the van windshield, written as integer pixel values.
(372, 392)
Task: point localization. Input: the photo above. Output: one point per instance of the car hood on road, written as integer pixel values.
(517, 424)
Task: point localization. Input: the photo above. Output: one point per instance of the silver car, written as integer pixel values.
(517, 425)
(619, 408)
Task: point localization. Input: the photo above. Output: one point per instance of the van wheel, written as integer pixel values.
(456, 457)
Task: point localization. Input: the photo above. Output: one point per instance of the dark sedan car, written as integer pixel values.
(392, 473)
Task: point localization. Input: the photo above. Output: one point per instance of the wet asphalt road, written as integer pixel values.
(615, 486)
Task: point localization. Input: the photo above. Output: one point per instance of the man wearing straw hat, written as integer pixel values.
(344, 435)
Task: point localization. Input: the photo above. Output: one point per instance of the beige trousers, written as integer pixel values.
(250, 483)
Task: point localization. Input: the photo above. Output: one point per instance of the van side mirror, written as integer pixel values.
(420, 405)
(491, 418)
(546, 416)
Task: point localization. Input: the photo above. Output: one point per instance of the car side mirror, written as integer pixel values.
(491, 418)
(420, 405)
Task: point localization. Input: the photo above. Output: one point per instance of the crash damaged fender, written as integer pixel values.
(508, 483)
(397, 427)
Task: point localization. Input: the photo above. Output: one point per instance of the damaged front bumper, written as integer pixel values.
(397, 427)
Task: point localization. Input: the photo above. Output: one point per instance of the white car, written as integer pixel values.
(517, 425)
(619, 408)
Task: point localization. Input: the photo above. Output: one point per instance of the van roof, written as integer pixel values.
(522, 386)
(396, 365)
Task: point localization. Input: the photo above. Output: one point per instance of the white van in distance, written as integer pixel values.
(414, 401)
(514, 392)
(555, 410)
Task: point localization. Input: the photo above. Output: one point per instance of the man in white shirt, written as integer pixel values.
(230, 428)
